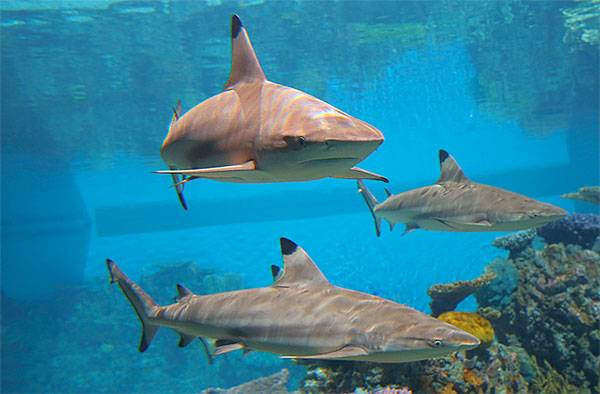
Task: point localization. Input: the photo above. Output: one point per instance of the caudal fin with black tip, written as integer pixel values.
(142, 303)
(371, 203)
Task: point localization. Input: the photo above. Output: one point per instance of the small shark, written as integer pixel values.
(455, 203)
(589, 194)
(257, 131)
(300, 316)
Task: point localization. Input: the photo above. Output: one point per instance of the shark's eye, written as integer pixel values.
(295, 142)
(436, 343)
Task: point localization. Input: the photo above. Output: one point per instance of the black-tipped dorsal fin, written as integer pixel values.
(244, 63)
(183, 291)
(298, 267)
(450, 170)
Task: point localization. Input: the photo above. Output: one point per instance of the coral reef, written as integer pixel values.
(472, 323)
(515, 242)
(274, 384)
(493, 370)
(578, 229)
(589, 194)
(582, 21)
(554, 312)
(445, 297)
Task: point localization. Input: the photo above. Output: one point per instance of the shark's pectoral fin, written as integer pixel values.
(225, 346)
(231, 171)
(345, 352)
(359, 173)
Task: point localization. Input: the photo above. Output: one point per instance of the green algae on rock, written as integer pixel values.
(445, 297)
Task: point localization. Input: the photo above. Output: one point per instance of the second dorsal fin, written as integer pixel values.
(298, 267)
(244, 63)
(450, 170)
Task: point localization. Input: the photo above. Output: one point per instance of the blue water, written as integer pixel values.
(87, 89)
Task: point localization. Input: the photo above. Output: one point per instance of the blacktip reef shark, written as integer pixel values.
(455, 203)
(257, 131)
(589, 194)
(300, 316)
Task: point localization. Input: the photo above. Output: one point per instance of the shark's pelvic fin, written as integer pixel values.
(206, 350)
(298, 267)
(143, 304)
(345, 352)
(359, 173)
(185, 340)
(450, 170)
(212, 172)
(371, 203)
(245, 66)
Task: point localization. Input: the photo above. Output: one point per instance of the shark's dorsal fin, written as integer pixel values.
(182, 291)
(298, 267)
(450, 170)
(244, 63)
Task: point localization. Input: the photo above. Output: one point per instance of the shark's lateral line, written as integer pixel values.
(301, 315)
(257, 131)
(455, 203)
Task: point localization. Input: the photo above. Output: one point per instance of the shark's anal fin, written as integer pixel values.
(410, 227)
(212, 172)
(345, 352)
(359, 173)
(225, 346)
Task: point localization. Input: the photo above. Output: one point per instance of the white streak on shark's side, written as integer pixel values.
(301, 315)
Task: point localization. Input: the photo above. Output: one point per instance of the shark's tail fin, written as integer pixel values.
(371, 202)
(144, 305)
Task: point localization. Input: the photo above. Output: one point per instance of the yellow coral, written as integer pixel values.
(471, 377)
(448, 389)
(472, 323)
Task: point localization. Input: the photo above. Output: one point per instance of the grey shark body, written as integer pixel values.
(301, 315)
(257, 131)
(455, 203)
(589, 194)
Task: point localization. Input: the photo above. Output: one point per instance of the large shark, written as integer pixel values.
(455, 203)
(257, 131)
(301, 316)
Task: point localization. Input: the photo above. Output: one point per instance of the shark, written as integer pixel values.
(589, 194)
(257, 131)
(455, 203)
(301, 315)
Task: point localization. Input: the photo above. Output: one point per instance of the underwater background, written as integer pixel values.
(509, 88)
